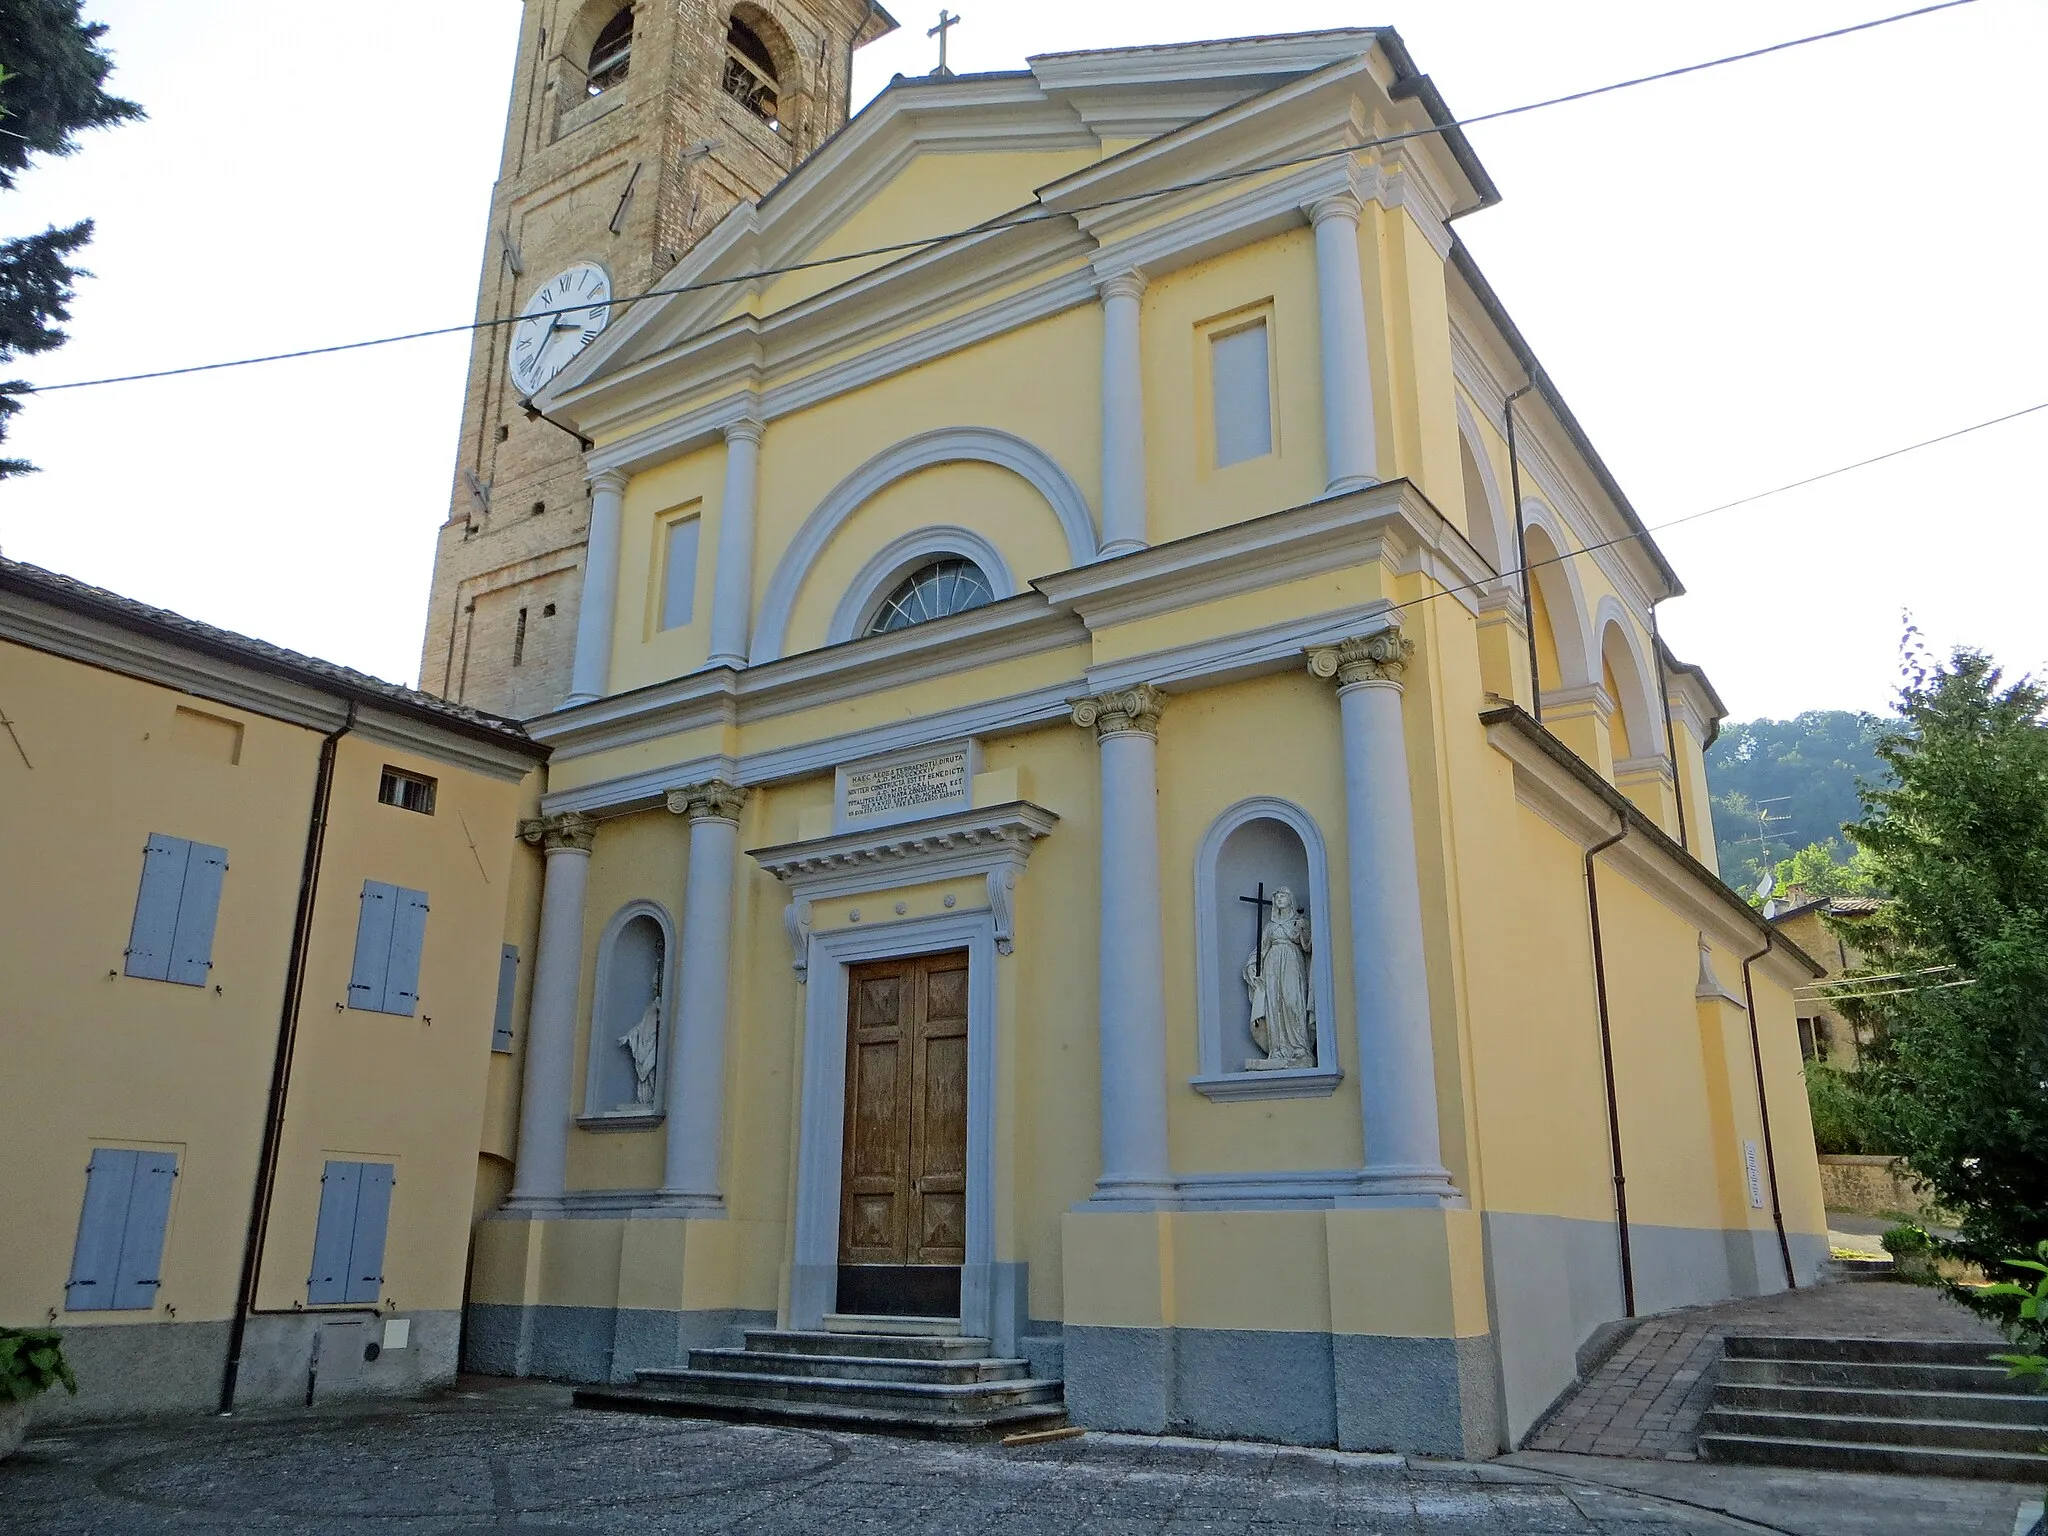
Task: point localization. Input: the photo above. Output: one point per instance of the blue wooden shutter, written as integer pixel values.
(334, 1235)
(198, 907)
(102, 1219)
(508, 982)
(139, 1272)
(408, 939)
(156, 907)
(373, 945)
(366, 1247)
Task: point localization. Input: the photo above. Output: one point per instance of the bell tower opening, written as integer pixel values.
(634, 128)
(611, 55)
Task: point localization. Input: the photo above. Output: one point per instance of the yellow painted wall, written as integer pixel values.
(94, 1057)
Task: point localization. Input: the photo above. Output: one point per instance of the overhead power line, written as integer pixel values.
(1011, 220)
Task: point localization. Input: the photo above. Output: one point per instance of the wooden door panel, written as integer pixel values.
(903, 1199)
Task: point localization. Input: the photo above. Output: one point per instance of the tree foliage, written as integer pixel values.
(1959, 841)
(1799, 774)
(52, 87)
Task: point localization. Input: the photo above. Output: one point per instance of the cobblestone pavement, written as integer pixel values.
(1645, 1399)
(518, 1457)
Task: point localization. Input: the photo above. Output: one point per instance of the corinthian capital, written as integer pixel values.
(568, 830)
(1121, 710)
(1374, 658)
(713, 800)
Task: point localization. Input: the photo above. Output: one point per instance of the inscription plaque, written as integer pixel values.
(906, 786)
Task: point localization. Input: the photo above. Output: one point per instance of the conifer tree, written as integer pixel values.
(1959, 842)
(52, 88)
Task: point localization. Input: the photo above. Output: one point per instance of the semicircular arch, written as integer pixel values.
(1622, 654)
(946, 445)
(1492, 528)
(1564, 596)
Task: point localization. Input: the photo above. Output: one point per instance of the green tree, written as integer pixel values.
(1959, 841)
(1819, 869)
(52, 88)
(1780, 785)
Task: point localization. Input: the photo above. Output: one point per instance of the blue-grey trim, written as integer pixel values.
(1554, 1282)
(162, 1369)
(596, 1344)
(1435, 1397)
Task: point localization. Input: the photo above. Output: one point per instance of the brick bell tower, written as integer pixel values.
(633, 129)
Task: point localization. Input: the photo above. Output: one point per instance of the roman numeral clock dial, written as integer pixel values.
(567, 313)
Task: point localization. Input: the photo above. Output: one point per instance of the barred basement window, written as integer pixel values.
(612, 54)
(407, 791)
(750, 77)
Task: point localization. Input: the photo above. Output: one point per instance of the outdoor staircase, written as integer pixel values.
(1929, 1409)
(905, 1376)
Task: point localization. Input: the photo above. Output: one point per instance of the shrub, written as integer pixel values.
(31, 1362)
(1843, 1122)
(1905, 1240)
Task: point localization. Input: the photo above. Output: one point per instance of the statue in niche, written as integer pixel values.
(1276, 976)
(642, 1042)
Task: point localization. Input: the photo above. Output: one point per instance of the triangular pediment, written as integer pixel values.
(933, 157)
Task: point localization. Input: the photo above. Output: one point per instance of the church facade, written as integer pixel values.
(1067, 819)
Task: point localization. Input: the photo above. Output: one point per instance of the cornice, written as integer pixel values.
(1552, 781)
(159, 658)
(937, 848)
(1392, 522)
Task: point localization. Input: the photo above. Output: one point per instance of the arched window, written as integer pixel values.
(750, 77)
(933, 591)
(611, 54)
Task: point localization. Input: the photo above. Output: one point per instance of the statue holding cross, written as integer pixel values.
(1276, 977)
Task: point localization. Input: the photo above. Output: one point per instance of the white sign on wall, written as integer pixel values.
(906, 786)
(1756, 1178)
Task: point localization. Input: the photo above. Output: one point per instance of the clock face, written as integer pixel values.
(559, 321)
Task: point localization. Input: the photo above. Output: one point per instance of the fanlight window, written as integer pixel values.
(611, 54)
(932, 592)
(750, 77)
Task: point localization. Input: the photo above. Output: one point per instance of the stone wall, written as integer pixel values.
(1871, 1186)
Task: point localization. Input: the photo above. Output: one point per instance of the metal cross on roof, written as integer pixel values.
(947, 21)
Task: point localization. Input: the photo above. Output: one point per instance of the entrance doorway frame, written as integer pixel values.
(814, 1272)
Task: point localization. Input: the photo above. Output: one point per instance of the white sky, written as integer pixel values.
(1737, 279)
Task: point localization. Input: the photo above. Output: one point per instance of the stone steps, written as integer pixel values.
(1933, 1408)
(935, 1385)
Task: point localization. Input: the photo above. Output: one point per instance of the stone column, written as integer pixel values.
(732, 597)
(551, 1011)
(1123, 415)
(696, 1074)
(1350, 447)
(1131, 992)
(1389, 979)
(590, 673)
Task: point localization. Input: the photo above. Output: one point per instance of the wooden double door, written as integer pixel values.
(903, 1190)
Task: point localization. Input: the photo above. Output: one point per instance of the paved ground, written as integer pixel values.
(507, 1457)
(1645, 1401)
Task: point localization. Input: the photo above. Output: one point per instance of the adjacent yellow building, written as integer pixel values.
(252, 960)
(976, 640)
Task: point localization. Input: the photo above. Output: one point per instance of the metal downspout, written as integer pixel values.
(1522, 552)
(1763, 1107)
(281, 1064)
(1628, 1268)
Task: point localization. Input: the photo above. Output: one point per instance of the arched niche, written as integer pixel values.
(1275, 844)
(1054, 489)
(634, 972)
(1624, 672)
(1490, 527)
(1562, 622)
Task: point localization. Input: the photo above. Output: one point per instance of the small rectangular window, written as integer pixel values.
(508, 981)
(391, 930)
(519, 640)
(348, 1239)
(116, 1259)
(176, 906)
(407, 791)
(1240, 387)
(679, 572)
